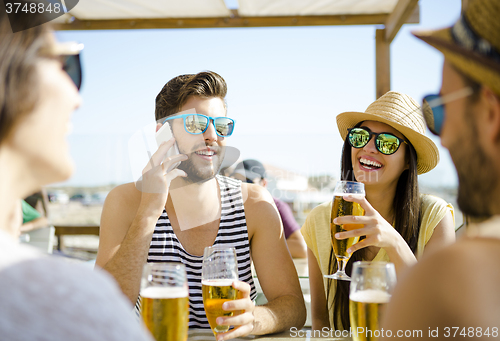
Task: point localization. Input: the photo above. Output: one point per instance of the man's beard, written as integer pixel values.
(197, 174)
(477, 180)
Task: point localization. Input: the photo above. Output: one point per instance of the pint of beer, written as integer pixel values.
(365, 311)
(164, 301)
(370, 291)
(219, 271)
(215, 293)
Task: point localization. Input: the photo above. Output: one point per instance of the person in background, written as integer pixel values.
(44, 298)
(385, 148)
(32, 218)
(454, 293)
(252, 171)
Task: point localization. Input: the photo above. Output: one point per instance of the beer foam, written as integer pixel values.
(370, 296)
(164, 292)
(218, 282)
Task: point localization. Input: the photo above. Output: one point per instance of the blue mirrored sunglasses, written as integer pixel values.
(197, 124)
(433, 108)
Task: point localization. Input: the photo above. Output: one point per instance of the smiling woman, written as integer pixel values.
(385, 148)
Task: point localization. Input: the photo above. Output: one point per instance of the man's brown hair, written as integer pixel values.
(179, 89)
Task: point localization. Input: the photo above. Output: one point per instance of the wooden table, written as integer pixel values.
(299, 335)
(66, 230)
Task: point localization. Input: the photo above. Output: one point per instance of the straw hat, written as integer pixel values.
(401, 112)
(472, 44)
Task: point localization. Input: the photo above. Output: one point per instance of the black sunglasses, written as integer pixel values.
(69, 55)
(73, 67)
(386, 143)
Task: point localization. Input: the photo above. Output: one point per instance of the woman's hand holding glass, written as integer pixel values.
(377, 231)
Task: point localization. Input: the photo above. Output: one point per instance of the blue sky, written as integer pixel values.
(285, 87)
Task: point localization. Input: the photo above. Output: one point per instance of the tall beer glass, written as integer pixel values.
(164, 301)
(370, 291)
(340, 208)
(219, 271)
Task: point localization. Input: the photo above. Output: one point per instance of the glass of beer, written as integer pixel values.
(219, 271)
(165, 301)
(340, 208)
(370, 291)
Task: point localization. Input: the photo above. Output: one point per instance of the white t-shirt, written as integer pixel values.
(45, 298)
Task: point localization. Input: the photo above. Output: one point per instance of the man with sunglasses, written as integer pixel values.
(179, 209)
(454, 292)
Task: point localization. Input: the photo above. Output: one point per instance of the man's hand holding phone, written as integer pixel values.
(158, 174)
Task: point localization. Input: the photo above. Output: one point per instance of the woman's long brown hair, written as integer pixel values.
(406, 206)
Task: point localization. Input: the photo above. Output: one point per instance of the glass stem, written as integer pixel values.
(342, 263)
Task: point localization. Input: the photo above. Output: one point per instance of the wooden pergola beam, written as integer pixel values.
(404, 10)
(382, 63)
(234, 21)
(464, 4)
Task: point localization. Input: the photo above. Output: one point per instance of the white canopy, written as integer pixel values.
(155, 14)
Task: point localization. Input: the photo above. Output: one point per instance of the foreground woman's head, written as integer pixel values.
(37, 97)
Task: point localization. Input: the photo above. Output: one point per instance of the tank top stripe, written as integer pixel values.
(165, 247)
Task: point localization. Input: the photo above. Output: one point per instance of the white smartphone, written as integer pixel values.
(165, 134)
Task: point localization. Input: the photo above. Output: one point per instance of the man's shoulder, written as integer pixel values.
(454, 286)
(125, 194)
(254, 195)
(458, 265)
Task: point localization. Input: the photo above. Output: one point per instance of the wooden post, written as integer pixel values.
(382, 63)
(464, 4)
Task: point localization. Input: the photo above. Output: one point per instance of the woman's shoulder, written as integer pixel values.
(321, 210)
(429, 200)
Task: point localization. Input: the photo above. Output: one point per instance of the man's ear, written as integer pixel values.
(158, 126)
(493, 114)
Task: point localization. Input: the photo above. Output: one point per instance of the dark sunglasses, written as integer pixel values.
(69, 55)
(386, 143)
(433, 108)
(73, 67)
(197, 124)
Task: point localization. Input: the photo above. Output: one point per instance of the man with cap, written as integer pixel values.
(454, 292)
(252, 171)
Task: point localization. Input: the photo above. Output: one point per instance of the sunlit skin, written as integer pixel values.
(41, 137)
(465, 121)
(454, 121)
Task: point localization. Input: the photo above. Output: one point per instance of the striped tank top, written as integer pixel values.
(165, 247)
